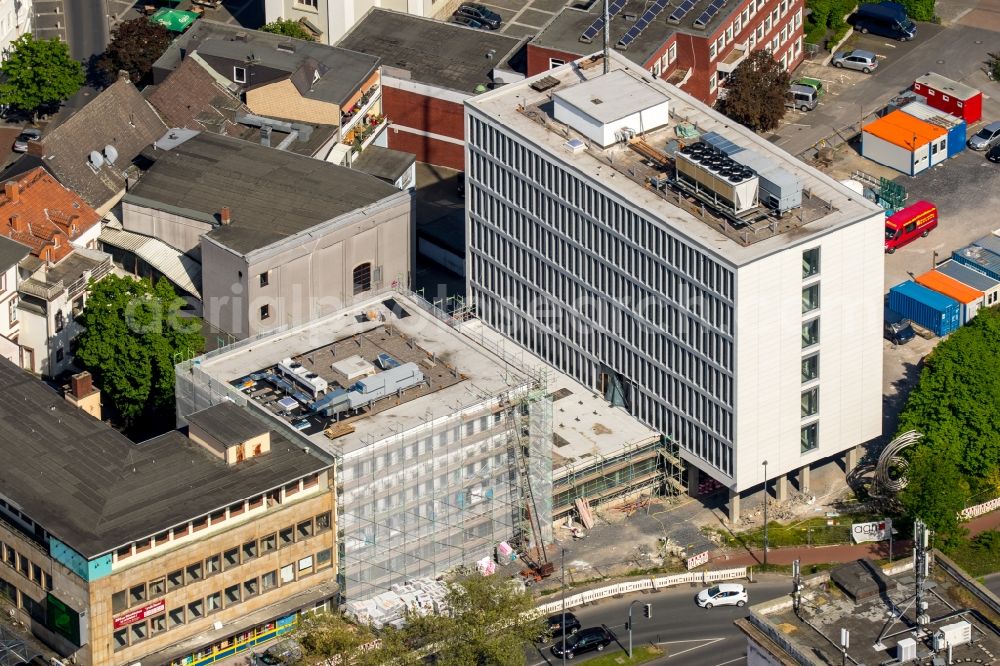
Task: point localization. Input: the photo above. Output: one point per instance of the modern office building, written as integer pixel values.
(175, 550)
(725, 293)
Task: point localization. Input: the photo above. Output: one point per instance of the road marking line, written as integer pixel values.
(732, 661)
(705, 642)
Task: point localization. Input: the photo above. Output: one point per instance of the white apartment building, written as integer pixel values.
(15, 20)
(329, 20)
(736, 311)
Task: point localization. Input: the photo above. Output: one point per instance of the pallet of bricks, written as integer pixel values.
(421, 595)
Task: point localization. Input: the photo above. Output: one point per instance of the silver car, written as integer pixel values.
(986, 138)
(863, 61)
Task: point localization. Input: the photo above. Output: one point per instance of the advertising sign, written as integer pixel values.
(697, 560)
(62, 619)
(140, 614)
(875, 531)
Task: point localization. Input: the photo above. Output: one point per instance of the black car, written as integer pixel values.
(993, 155)
(594, 638)
(489, 18)
(898, 332)
(554, 625)
(469, 22)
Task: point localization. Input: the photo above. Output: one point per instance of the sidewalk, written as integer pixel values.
(837, 554)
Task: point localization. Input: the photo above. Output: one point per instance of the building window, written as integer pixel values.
(175, 617)
(810, 368)
(140, 632)
(712, 51)
(269, 581)
(306, 565)
(137, 594)
(196, 609)
(119, 601)
(195, 572)
(213, 602)
(175, 579)
(213, 565)
(362, 278)
(323, 522)
(265, 312)
(305, 529)
(287, 573)
(712, 83)
(249, 550)
(12, 311)
(264, 278)
(810, 262)
(60, 321)
(157, 588)
(286, 537)
(323, 558)
(556, 62)
(268, 543)
(251, 588)
(121, 639)
(157, 624)
(240, 74)
(231, 558)
(672, 53)
(810, 437)
(312, 4)
(810, 332)
(810, 298)
(232, 595)
(810, 402)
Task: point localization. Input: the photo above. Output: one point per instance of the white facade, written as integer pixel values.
(701, 336)
(902, 159)
(15, 20)
(9, 318)
(335, 17)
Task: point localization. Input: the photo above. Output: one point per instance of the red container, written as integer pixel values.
(950, 96)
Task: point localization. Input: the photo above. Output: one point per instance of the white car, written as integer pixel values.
(723, 594)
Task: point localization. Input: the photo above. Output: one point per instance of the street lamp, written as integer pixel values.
(765, 513)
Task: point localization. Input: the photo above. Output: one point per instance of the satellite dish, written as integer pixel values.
(111, 153)
(96, 159)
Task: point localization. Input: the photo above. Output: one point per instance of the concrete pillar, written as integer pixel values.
(804, 479)
(851, 458)
(734, 507)
(692, 481)
(781, 488)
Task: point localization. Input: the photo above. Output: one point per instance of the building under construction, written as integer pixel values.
(445, 435)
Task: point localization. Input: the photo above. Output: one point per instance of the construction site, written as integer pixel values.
(444, 439)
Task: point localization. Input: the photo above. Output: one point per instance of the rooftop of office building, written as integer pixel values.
(629, 131)
(461, 366)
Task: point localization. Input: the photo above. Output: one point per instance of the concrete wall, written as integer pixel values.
(177, 231)
(224, 279)
(769, 352)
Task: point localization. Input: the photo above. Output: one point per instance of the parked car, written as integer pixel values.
(487, 17)
(887, 19)
(898, 332)
(469, 22)
(594, 638)
(993, 155)
(802, 98)
(863, 61)
(723, 594)
(555, 629)
(986, 138)
(282, 652)
(815, 84)
(29, 134)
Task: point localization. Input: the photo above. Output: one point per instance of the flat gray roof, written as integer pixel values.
(516, 106)
(434, 52)
(384, 163)
(91, 487)
(11, 252)
(966, 275)
(227, 423)
(272, 194)
(612, 97)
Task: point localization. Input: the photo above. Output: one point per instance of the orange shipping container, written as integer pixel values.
(970, 298)
(904, 130)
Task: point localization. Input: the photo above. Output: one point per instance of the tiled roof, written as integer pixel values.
(117, 117)
(190, 97)
(37, 211)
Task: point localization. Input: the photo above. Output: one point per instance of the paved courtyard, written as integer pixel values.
(526, 17)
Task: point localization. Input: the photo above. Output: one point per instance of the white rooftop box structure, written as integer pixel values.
(609, 108)
(352, 369)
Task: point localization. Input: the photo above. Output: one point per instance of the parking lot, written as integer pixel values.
(526, 17)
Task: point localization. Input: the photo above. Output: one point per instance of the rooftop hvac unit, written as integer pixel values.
(301, 375)
(717, 178)
(906, 650)
(780, 190)
(953, 635)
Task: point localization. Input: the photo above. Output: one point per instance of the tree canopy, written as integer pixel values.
(134, 333)
(135, 45)
(756, 91)
(287, 27)
(38, 73)
(955, 406)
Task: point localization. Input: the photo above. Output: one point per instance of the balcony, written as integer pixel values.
(369, 99)
(361, 136)
(732, 60)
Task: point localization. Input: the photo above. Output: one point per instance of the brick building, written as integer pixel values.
(429, 69)
(695, 49)
(168, 551)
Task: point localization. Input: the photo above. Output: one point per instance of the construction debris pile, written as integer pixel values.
(421, 595)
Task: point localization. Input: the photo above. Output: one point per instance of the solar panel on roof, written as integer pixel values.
(647, 17)
(681, 11)
(595, 28)
(707, 15)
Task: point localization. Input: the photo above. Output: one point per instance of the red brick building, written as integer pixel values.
(429, 69)
(694, 49)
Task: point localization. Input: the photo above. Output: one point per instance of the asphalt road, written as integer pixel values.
(993, 583)
(691, 636)
(86, 27)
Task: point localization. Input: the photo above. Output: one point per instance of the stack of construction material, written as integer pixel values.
(422, 596)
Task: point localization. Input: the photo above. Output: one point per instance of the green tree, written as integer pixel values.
(289, 28)
(756, 91)
(329, 635)
(135, 45)
(38, 73)
(134, 332)
(936, 493)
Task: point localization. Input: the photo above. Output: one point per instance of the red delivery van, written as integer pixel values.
(907, 224)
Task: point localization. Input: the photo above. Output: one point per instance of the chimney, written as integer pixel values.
(225, 216)
(81, 384)
(18, 224)
(12, 191)
(123, 75)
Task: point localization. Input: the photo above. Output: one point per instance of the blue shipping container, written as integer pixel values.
(926, 307)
